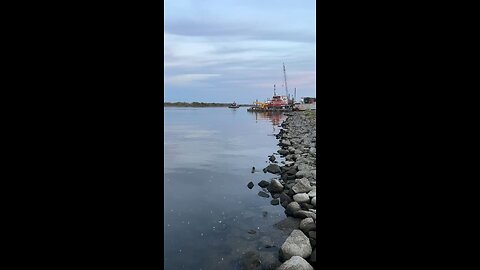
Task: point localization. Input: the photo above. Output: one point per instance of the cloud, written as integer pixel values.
(187, 78)
(235, 32)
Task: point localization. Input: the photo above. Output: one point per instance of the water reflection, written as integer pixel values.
(209, 211)
(274, 117)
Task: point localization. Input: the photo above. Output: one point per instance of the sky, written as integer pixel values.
(233, 50)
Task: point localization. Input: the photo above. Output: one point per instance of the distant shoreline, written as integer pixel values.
(200, 104)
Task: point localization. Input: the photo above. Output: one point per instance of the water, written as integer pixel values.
(209, 155)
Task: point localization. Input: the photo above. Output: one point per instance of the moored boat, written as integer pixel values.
(233, 106)
(278, 102)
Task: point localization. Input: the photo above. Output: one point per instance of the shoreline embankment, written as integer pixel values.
(294, 188)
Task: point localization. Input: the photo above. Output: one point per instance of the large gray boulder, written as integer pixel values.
(272, 168)
(314, 201)
(303, 167)
(307, 225)
(275, 186)
(295, 263)
(285, 200)
(297, 244)
(302, 186)
(292, 208)
(305, 214)
(285, 143)
(301, 198)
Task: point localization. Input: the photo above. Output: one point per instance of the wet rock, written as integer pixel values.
(284, 197)
(250, 261)
(264, 194)
(302, 186)
(253, 169)
(283, 152)
(285, 143)
(275, 186)
(307, 225)
(252, 231)
(301, 198)
(272, 158)
(289, 163)
(288, 225)
(276, 195)
(269, 261)
(306, 206)
(295, 263)
(304, 173)
(263, 183)
(292, 208)
(274, 202)
(297, 244)
(272, 168)
(292, 171)
(313, 257)
(286, 201)
(305, 214)
(250, 185)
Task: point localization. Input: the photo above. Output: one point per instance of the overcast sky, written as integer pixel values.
(233, 50)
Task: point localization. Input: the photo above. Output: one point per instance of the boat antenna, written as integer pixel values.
(295, 96)
(285, 76)
(274, 90)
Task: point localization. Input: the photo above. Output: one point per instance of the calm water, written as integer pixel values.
(209, 154)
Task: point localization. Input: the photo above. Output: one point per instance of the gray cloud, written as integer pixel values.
(241, 31)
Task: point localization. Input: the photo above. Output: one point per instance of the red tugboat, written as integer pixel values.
(277, 103)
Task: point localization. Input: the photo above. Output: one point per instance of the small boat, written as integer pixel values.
(233, 106)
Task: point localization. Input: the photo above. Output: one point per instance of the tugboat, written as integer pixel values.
(233, 106)
(277, 103)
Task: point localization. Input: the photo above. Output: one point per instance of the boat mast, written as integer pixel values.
(274, 90)
(285, 76)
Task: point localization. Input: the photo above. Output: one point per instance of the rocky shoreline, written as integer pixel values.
(295, 189)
